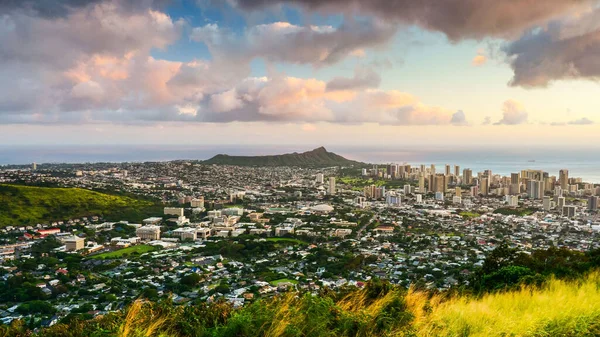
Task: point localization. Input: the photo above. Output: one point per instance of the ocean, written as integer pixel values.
(581, 162)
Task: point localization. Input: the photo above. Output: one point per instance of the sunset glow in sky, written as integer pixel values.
(324, 72)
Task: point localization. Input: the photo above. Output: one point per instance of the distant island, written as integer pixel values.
(318, 157)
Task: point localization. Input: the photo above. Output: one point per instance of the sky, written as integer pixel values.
(423, 73)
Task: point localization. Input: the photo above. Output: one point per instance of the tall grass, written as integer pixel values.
(560, 308)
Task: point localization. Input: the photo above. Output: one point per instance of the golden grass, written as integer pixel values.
(142, 321)
(561, 308)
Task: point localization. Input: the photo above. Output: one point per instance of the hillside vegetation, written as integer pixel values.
(20, 205)
(559, 308)
(319, 157)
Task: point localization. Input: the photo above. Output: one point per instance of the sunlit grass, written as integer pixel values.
(561, 308)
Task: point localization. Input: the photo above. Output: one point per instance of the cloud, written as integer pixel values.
(564, 49)
(459, 118)
(225, 101)
(479, 60)
(285, 42)
(290, 99)
(581, 121)
(45, 8)
(487, 120)
(513, 113)
(458, 19)
(104, 71)
(364, 77)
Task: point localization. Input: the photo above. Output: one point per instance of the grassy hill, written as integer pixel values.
(559, 308)
(319, 157)
(20, 205)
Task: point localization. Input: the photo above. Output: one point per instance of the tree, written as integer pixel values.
(190, 279)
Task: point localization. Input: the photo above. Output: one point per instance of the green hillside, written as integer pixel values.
(319, 157)
(20, 205)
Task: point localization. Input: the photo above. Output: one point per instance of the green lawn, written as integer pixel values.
(276, 282)
(141, 249)
(288, 240)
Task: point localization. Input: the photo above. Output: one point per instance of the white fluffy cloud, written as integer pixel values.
(513, 113)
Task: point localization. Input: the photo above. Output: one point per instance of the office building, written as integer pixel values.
(197, 203)
(149, 233)
(177, 211)
(186, 233)
(74, 243)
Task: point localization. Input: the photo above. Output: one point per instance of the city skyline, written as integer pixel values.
(289, 72)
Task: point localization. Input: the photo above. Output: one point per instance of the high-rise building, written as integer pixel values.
(512, 200)
(514, 178)
(457, 171)
(407, 189)
(431, 183)
(34, 166)
(440, 183)
(593, 203)
(546, 203)
(319, 178)
(467, 176)
(392, 170)
(447, 171)
(331, 186)
(569, 211)
(561, 202)
(484, 186)
(458, 191)
(563, 179)
(419, 198)
(432, 169)
(374, 192)
(535, 189)
(421, 183)
(474, 191)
